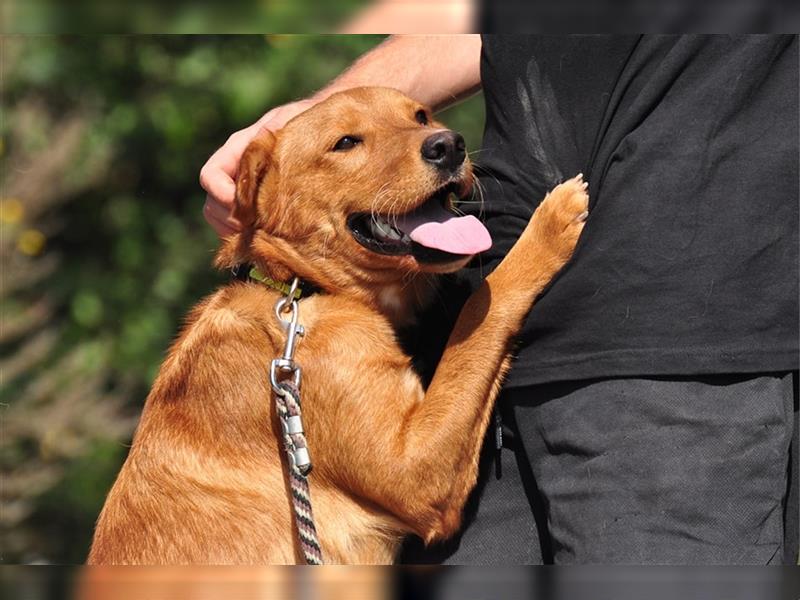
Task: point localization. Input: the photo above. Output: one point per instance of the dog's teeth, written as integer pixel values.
(382, 229)
(393, 234)
(377, 228)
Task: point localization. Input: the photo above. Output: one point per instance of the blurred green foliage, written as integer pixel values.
(176, 16)
(104, 245)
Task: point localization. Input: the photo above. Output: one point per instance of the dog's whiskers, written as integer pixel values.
(481, 199)
(406, 280)
(373, 211)
(391, 210)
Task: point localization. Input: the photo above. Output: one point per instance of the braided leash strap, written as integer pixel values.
(287, 401)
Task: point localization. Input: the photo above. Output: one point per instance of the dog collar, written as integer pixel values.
(251, 273)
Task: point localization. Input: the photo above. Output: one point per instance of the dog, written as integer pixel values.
(352, 196)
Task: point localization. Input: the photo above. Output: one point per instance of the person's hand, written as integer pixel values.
(217, 175)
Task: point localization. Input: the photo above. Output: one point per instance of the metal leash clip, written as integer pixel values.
(286, 367)
(286, 364)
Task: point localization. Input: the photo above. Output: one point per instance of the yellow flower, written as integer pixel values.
(11, 211)
(31, 242)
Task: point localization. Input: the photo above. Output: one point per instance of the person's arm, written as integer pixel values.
(415, 16)
(435, 70)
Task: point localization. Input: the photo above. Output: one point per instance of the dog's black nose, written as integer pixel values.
(444, 149)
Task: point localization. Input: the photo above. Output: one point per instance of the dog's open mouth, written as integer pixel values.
(432, 233)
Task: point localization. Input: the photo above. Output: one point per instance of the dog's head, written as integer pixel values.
(356, 193)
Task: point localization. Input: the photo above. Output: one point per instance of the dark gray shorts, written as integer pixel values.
(637, 471)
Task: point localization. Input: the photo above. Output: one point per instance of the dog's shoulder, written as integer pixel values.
(234, 309)
(224, 332)
(336, 325)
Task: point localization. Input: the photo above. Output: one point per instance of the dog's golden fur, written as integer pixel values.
(204, 481)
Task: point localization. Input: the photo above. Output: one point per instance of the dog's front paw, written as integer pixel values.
(559, 219)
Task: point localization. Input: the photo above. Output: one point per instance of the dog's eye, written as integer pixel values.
(348, 142)
(421, 117)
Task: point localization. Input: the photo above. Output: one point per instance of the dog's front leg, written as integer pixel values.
(442, 436)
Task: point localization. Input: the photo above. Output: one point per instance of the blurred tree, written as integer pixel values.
(103, 245)
(177, 16)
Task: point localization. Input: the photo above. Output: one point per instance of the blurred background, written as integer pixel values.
(399, 16)
(103, 246)
(177, 16)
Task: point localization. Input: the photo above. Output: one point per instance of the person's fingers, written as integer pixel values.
(221, 189)
(220, 226)
(220, 210)
(217, 213)
(221, 229)
(216, 178)
(228, 156)
(219, 185)
(217, 175)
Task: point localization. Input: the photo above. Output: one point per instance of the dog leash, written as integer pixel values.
(284, 377)
(288, 404)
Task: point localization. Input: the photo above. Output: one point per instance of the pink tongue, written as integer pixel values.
(434, 227)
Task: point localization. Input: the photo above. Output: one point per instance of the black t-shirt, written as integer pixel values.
(688, 263)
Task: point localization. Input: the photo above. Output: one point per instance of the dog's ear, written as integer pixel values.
(253, 168)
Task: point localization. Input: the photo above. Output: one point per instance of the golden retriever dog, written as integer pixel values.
(353, 196)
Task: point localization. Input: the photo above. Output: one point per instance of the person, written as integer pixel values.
(650, 411)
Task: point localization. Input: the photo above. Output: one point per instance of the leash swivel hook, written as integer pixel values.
(286, 365)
